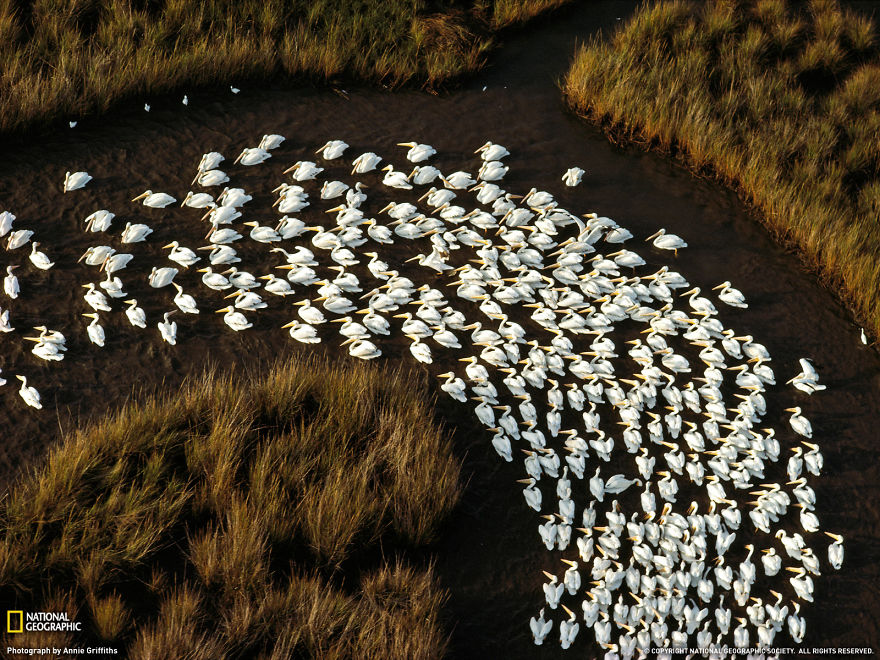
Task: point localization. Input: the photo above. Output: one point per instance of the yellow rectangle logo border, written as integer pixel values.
(9, 614)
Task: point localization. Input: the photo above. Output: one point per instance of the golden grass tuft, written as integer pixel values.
(72, 59)
(506, 13)
(779, 100)
(219, 521)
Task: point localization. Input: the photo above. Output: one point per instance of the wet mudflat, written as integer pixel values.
(490, 557)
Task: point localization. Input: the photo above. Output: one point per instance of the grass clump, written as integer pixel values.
(70, 58)
(778, 99)
(242, 518)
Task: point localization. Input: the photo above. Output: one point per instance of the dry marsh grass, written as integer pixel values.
(71, 58)
(778, 99)
(242, 518)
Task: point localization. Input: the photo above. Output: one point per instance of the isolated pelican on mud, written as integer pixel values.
(76, 180)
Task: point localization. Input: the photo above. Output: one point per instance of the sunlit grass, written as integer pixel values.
(781, 100)
(223, 520)
(70, 58)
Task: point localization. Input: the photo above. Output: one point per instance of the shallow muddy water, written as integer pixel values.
(490, 557)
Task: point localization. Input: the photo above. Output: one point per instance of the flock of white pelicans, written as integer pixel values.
(569, 397)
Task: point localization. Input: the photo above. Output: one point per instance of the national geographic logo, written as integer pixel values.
(18, 621)
(14, 621)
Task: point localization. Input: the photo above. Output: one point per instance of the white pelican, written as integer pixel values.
(458, 180)
(309, 313)
(222, 236)
(113, 286)
(808, 380)
(303, 275)
(263, 234)
(835, 551)
(379, 233)
(730, 296)
(18, 238)
(6, 220)
(185, 302)
(302, 332)
(235, 320)
(453, 386)
(247, 300)
(438, 197)
(252, 156)
(395, 179)
(46, 350)
(98, 221)
(95, 299)
(375, 322)
(664, 241)
(363, 349)
(210, 160)
(351, 329)
(799, 423)
(234, 197)
(490, 151)
(210, 178)
(618, 235)
(168, 329)
(116, 262)
(487, 193)
(422, 175)
(271, 141)
(76, 180)
(332, 149)
(5, 325)
(96, 255)
(95, 330)
(135, 314)
(540, 627)
(155, 200)
(241, 279)
(366, 162)
(420, 351)
(568, 629)
(573, 176)
(160, 277)
(181, 255)
(333, 189)
(288, 227)
(221, 254)
(444, 337)
(10, 283)
(492, 170)
(304, 170)
(215, 281)
(29, 394)
(276, 285)
(417, 152)
(135, 233)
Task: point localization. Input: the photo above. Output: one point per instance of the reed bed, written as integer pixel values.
(71, 58)
(242, 518)
(780, 100)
